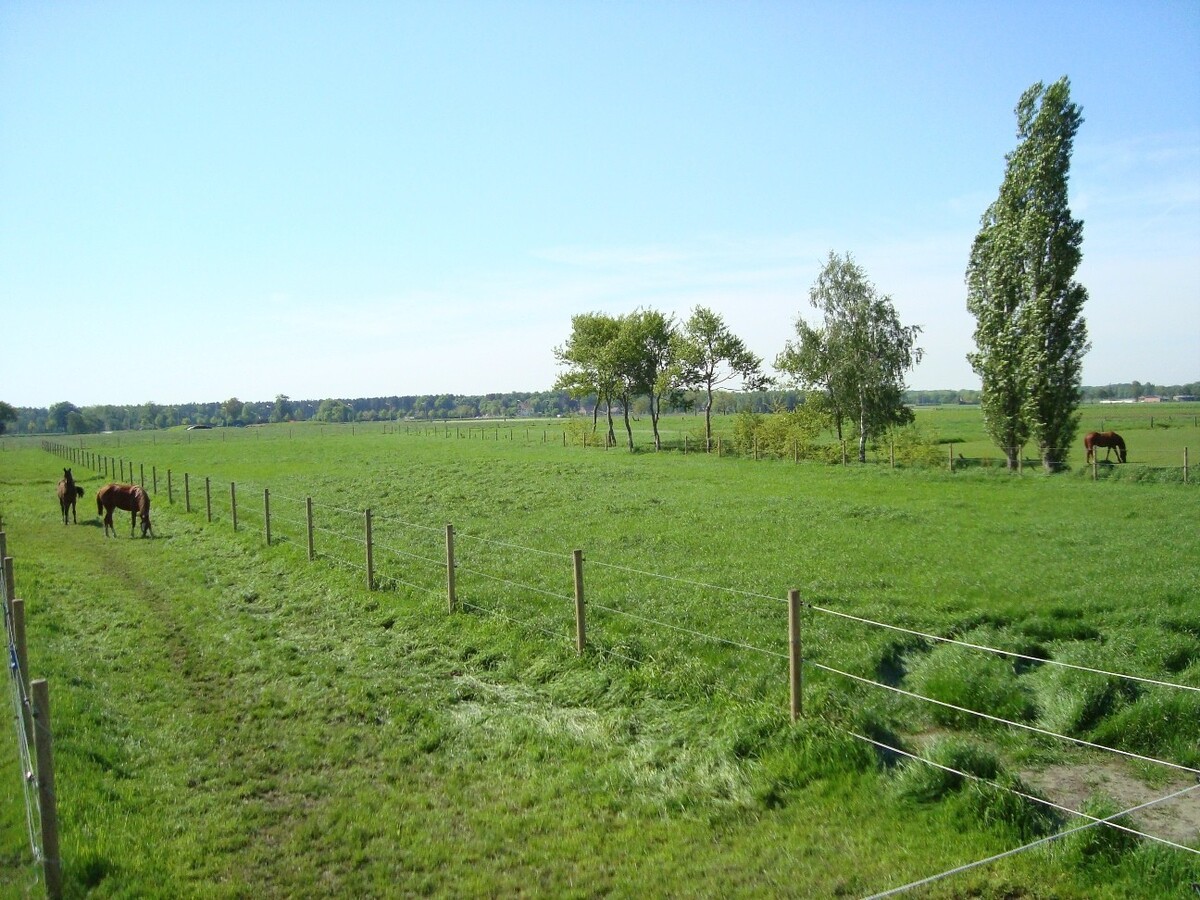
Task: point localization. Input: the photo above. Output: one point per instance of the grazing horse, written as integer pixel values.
(68, 493)
(130, 497)
(1109, 440)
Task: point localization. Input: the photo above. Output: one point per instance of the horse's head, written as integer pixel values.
(67, 475)
(143, 508)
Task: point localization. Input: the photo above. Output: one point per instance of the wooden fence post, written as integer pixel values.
(232, 501)
(951, 457)
(580, 622)
(844, 461)
(267, 513)
(21, 648)
(187, 492)
(141, 474)
(9, 588)
(1185, 465)
(370, 556)
(451, 597)
(208, 497)
(795, 672)
(308, 515)
(154, 478)
(170, 493)
(892, 454)
(44, 744)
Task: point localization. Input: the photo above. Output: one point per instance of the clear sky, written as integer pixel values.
(349, 199)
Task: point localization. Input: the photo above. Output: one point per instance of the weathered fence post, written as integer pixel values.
(44, 744)
(9, 589)
(951, 457)
(154, 478)
(370, 556)
(170, 493)
(892, 454)
(187, 492)
(844, 459)
(1095, 467)
(21, 648)
(141, 474)
(451, 597)
(232, 501)
(267, 513)
(580, 622)
(208, 497)
(308, 515)
(1185, 465)
(795, 660)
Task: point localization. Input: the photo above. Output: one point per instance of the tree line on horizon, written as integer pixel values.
(58, 418)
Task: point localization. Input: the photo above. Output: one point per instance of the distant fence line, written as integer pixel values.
(793, 449)
(350, 538)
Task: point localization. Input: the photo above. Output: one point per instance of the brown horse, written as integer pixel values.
(68, 493)
(129, 497)
(1109, 440)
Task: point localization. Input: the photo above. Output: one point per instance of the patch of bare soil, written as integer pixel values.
(1175, 820)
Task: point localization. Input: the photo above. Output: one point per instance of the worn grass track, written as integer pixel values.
(236, 720)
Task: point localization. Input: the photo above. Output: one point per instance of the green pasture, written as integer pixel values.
(232, 718)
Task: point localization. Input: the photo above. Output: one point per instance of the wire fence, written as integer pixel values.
(647, 617)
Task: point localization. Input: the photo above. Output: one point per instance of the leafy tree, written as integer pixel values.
(589, 361)
(1030, 335)
(707, 355)
(639, 357)
(233, 409)
(7, 414)
(57, 415)
(858, 356)
(282, 410)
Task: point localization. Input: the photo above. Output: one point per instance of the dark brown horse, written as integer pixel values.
(1109, 440)
(124, 496)
(68, 493)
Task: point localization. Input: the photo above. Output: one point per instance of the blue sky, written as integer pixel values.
(206, 200)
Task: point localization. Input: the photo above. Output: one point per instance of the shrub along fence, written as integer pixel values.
(389, 552)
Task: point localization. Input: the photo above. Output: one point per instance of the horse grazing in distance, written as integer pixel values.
(68, 493)
(1109, 440)
(129, 497)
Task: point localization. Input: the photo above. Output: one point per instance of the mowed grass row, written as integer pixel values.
(234, 717)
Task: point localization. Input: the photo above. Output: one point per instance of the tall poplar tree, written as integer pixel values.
(1030, 335)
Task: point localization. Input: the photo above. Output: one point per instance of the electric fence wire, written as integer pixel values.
(1022, 725)
(700, 584)
(441, 563)
(716, 639)
(958, 870)
(1034, 659)
(523, 623)
(483, 540)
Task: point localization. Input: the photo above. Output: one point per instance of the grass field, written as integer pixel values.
(231, 718)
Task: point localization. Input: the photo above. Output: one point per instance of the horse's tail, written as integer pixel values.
(100, 502)
(78, 491)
